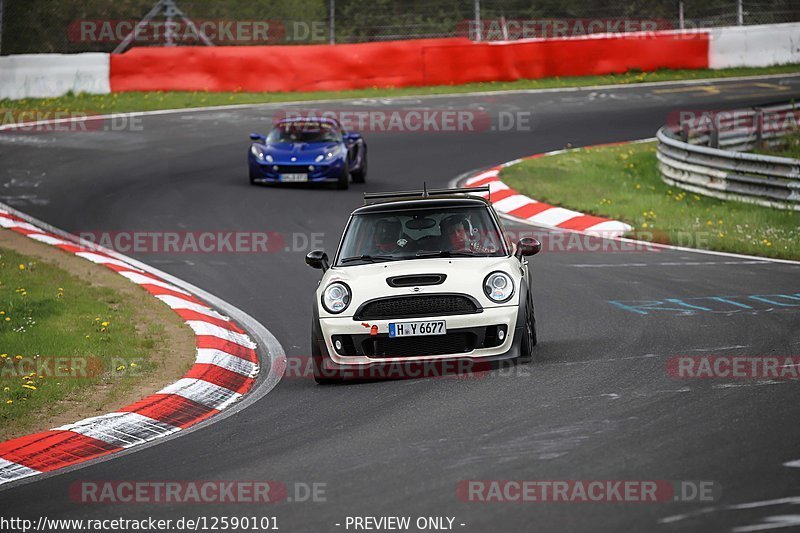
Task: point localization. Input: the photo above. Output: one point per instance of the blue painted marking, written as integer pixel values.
(690, 306)
(766, 298)
(727, 301)
(684, 307)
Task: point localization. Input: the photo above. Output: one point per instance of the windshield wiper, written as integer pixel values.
(367, 258)
(446, 253)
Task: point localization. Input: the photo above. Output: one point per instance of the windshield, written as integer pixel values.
(304, 132)
(390, 236)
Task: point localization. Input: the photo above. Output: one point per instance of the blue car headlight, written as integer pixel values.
(259, 154)
(336, 152)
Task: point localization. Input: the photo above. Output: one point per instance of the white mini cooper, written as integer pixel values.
(421, 277)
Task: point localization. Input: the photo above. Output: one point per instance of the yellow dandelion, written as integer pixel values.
(22, 266)
(644, 225)
(104, 324)
(18, 357)
(30, 387)
(120, 368)
(8, 319)
(9, 402)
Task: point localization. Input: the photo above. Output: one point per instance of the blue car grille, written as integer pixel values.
(293, 169)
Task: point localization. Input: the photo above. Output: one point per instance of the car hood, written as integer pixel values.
(464, 275)
(302, 152)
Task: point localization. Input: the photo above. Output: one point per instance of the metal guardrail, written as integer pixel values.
(722, 169)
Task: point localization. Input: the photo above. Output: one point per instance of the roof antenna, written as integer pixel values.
(424, 189)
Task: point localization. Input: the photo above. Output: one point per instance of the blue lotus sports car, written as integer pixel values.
(303, 150)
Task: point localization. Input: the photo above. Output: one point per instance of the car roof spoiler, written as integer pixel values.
(424, 193)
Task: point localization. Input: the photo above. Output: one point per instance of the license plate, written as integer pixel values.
(294, 178)
(415, 329)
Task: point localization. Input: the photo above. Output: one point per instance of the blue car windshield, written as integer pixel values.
(304, 132)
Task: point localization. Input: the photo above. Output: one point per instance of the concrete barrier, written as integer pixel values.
(754, 46)
(49, 75)
(392, 64)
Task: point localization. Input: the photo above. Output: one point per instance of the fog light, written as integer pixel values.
(311, 168)
(338, 345)
(275, 168)
(501, 335)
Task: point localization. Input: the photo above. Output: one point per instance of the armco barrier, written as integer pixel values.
(397, 63)
(727, 174)
(48, 75)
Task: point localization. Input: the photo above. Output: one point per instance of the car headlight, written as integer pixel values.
(336, 297)
(319, 158)
(268, 158)
(498, 287)
(258, 153)
(333, 153)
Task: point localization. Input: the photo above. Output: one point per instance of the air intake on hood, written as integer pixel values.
(416, 280)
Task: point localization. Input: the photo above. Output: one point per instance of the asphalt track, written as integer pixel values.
(596, 404)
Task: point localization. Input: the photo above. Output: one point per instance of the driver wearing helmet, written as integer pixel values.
(388, 236)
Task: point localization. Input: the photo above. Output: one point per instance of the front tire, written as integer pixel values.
(344, 179)
(528, 336)
(360, 175)
(321, 376)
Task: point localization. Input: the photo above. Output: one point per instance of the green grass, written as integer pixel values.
(147, 101)
(788, 147)
(46, 313)
(622, 182)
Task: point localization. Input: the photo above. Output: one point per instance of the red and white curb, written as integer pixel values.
(512, 203)
(225, 369)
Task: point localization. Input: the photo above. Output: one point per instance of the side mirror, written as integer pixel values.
(318, 259)
(257, 137)
(352, 136)
(528, 246)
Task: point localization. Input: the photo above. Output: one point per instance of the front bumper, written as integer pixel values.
(478, 332)
(271, 172)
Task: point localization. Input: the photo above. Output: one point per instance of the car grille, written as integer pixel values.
(417, 306)
(451, 343)
(293, 169)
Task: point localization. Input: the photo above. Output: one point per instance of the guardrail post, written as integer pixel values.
(685, 132)
(713, 136)
(759, 124)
